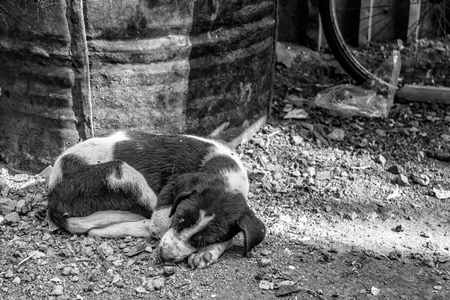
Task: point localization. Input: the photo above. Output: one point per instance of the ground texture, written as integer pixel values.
(356, 208)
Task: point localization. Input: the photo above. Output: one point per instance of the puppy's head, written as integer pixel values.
(205, 211)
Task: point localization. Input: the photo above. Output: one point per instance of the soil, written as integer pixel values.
(355, 209)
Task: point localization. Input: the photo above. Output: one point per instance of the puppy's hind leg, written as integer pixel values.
(100, 219)
(118, 230)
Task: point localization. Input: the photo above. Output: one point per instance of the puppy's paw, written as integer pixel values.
(201, 259)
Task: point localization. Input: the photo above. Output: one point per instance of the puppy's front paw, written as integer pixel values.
(200, 259)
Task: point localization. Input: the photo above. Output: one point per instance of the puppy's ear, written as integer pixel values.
(186, 185)
(254, 231)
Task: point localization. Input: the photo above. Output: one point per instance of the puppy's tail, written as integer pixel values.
(100, 219)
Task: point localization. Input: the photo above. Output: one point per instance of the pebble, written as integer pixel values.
(8, 274)
(380, 159)
(105, 249)
(58, 290)
(402, 180)
(16, 280)
(66, 271)
(265, 262)
(395, 169)
(266, 252)
(12, 218)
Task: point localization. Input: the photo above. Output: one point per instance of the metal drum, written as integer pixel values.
(69, 72)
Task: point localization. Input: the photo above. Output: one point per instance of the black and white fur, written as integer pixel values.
(189, 191)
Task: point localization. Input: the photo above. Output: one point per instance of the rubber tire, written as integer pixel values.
(337, 44)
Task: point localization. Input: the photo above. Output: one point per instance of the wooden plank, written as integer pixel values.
(365, 23)
(429, 94)
(413, 20)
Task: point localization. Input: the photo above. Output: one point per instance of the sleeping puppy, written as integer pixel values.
(189, 191)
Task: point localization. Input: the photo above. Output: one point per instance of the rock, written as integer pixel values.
(169, 271)
(311, 171)
(4, 188)
(421, 179)
(16, 280)
(337, 135)
(106, 249)
(12, 218)
(8, 274)
(2, 219)
(402, 180)
(266, 252)
(158, 282)
(323, 175)
(351, 216)
(380, 159)
(297, 140)
(265, 262)
(20, 177)
(425, 235)
(21, 206)
(395, 169)
(7, 205)
(66, 271)
(57, 290)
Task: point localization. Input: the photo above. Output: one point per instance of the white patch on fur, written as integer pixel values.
(237, 181)
(118, 230)
(92, 151)
(132, 177)
(160, 222)
(100, 219)
(174, 245)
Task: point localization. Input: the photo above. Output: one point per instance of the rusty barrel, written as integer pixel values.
(77, 69)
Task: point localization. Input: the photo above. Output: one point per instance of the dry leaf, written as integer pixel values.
(296, 113)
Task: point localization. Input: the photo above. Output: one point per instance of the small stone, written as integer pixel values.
(328, 208)
(75, 278)
(46, 236)
(437, 287)
(58, 290)
(421, 179)
(265, 262)
(337, 135)
(105, 249)
(380, 159)
(351, 216)
(395, 169)
(9, 274)
(266, 252)
(158, 283)
(297, 140)
(12, 218)
(66, 271)
(402, 180)
(311, 171)
(398, 228)
(169, 271)
(323, 175)
(425, 235)
(16, 280)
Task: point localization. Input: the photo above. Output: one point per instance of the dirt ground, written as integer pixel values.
(355, 209)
